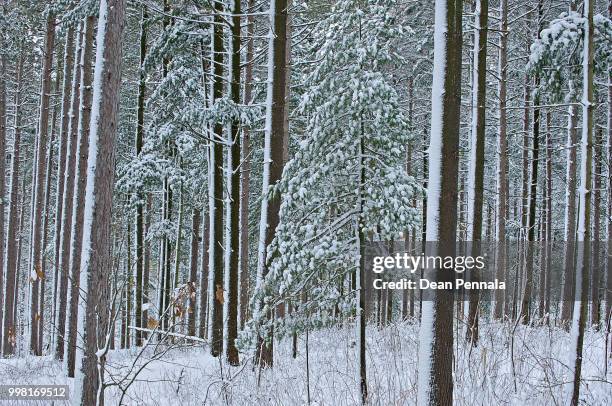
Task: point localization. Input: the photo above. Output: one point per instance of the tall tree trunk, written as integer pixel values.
(193, 270)
(245, 172)
(273, 150)
(435, 381)
(146, 265)
(608, 313)
(45, 233)
(524, 197)
(570, 219)
(96, 253)
(584, 214)
(202, 332)
(61, 161)
(233, 179)
(502, 162)
(595, 274)
(525, 313)
(215, 260)
(140, 236)
(9, 338)
(549, 218)
(129, 285)
(360, 277)
(408, 294)
(38, 193)
(165, 261)
(476, 168)
(3, 80)
(78, 203)
(177, 250)
(67, 197)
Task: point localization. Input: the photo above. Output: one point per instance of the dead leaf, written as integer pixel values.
(219, 294)
(39, 272)
(152, 323)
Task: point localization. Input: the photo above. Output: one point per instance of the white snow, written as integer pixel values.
(484, 375)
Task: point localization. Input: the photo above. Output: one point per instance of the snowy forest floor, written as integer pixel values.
(539, 373)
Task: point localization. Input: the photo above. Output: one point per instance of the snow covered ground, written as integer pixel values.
(540, 373)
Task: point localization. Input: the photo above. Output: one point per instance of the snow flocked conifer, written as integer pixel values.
(350, 107)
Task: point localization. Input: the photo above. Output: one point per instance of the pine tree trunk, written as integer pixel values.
(524, 197)
(61, 162)
(595, 274)
(584, 214)
(165, 261)
(542, 239)
(476, 169)
(502, 163)
(608, 308)
(245, 172)
(570, 220)
(202, 332)
(3, 80)
(569, 282)
(38, 193)
(435, 381)
(177, 256)
(193, 270)
(525, 313)
(140, 236)
(360, 279)
(64, 259)
(78, 203)
(146, 265)
(273, 149)
(549, 218)
(233, 186)
(96, 254)
(216, 210)
(129, 285)
(13, 233)
(45, 234)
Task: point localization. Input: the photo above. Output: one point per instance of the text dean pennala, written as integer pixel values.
(411, 263)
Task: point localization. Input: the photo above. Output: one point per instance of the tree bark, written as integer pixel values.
(595, 274)
(233, 177)
(273, 145)
(584, 214)
(435, 343)
(245, 172)
(9, 338)
(216, 200)
(96, 253)
(38, 193)
(3, 80)
(78, 203)
(193, 270)
(570, 220)
(525, 313)
(476, 169)
(67, 197)
(502, 162)
(140, 236)
(549, 219)
(202, 333)
(61, 162)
